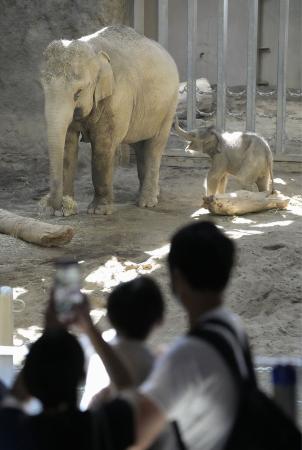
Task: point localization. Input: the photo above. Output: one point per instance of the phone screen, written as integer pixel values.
(67, 288)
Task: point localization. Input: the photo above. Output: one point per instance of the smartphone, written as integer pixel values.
(67, 287)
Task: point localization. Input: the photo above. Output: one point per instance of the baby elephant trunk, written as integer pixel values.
(187, 135)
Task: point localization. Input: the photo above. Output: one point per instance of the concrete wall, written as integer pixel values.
(26, 28)
(269, 38)
(206, 57)
(237, 39)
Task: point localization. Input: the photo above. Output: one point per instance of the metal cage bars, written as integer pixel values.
(281, 75)
(252, 53)
(191, 64)
(222, 38)
(139, 16)
(163, 22)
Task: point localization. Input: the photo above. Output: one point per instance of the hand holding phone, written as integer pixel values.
(67, 288)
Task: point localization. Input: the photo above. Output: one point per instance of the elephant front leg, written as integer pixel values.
(263, 183)
(213, 183)
(217, 176)
(149, 164)
(66, 205)
(102, 178)
(69, 172)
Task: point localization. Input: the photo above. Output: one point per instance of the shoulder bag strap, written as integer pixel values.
(180, 443)
(215, 339)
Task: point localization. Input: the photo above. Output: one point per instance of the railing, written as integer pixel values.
(7, 349)
(281, 377)
(6, 334)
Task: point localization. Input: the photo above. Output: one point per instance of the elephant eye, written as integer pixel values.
(77, 95)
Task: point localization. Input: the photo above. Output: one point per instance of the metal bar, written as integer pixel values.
(163, 20)
(139, 16)
(191, 71)
(221, 65)
(269, 361)
(281, 76)
(252, 65)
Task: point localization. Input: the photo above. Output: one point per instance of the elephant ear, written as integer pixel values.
(218, 135)
(104, 84)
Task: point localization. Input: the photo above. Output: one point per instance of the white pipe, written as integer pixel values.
(6, 334)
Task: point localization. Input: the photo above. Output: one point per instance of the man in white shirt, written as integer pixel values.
(191, 383)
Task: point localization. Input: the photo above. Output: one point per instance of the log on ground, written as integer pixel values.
(34, 231)
(244, 202)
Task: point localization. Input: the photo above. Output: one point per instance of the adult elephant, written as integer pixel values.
(114, 86)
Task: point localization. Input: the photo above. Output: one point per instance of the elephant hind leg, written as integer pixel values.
(252, 170)
(139, 149)
(102, 177)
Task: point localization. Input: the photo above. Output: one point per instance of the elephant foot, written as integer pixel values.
(98, 206)
(147, 201)
(68, 206)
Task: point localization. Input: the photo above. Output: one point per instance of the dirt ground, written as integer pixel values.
(266, 285)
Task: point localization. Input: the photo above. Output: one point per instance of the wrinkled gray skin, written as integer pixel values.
(245, 155)
(114, 86)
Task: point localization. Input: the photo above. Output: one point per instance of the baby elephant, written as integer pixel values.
(243, 154)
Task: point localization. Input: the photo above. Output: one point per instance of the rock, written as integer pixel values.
(204, 97)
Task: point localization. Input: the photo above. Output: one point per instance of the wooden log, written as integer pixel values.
(34, 231)
(244, 202)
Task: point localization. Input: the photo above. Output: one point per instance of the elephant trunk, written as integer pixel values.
(57, 124)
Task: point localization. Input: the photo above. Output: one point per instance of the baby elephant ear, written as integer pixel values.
(104, 84)
(216, 133)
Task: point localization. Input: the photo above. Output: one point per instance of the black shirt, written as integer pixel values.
(109, 428)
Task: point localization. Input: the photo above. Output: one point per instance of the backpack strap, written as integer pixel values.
(245, 346)
(100, 430)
